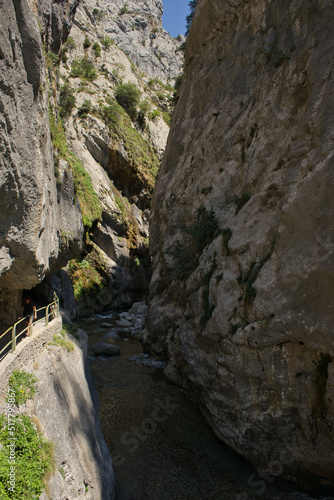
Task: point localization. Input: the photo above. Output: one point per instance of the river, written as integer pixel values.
(161, 446)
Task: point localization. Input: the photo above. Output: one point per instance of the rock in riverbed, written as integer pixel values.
(103, 348)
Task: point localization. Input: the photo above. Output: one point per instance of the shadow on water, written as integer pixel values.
(161, 447)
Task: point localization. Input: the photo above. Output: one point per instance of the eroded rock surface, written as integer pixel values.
(136, 27)
(242, 232)
(39, 226)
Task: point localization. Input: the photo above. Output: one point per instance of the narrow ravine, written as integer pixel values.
(162, 449)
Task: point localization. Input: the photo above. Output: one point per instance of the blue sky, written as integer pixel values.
(174, 16)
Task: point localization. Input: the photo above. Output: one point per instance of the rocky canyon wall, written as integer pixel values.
(34, 214)
(241, 299)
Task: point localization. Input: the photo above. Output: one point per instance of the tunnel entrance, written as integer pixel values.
(41, 295)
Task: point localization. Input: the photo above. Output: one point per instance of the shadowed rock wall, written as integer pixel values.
(242, 231)
(40, 225)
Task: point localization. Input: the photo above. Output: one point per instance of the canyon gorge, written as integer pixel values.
(196, 175)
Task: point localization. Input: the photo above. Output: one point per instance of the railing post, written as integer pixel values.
(30, 327)
(14, 338)
(47, 316)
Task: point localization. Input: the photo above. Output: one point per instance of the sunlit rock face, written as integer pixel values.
(242, 232)
(136, 28)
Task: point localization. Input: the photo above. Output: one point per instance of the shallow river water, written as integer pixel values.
(161, 447)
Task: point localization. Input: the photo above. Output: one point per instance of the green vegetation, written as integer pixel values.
(144, 107)
(23, 385)
(83, 69)
(87, 43)
(90, 204)
(128, 96)
(34, 458)
(122, 208)
(107, 42)
(192, 4)
(123, 10)
(67, 100)
(85, 278)
(85, 108)
(154, 114)
(97, 49)
(61, 340)
(196, 237)
(98, 14)
(139, 150)
(52, 60)
(166, 116)
(177, 86)
(70, 43)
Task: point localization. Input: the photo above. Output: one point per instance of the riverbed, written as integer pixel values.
(161, 446)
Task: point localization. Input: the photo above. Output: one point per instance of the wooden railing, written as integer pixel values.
(51, 312)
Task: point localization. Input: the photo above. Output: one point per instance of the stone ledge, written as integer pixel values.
(27, 350)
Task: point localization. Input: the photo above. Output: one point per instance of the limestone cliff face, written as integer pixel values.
(56, 20)
(242, 231)
(136, 27)
(34, 216)
(121, 155)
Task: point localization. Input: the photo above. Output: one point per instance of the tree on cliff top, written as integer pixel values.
(192, 4)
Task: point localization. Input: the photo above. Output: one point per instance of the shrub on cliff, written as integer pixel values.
(30, 456)
(67, 100)
(97, 49)
(87, 43)
(107, 42)
(85, 108)
(23, 386)
(84, 69)
(192, 4)
(128, 96)
(85, 278)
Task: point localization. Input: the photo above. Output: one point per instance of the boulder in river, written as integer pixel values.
(105, 349)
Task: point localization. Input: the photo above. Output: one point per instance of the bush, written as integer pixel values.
(98, 14)
(87, 43)
(52, 60)
(97, 49)
(123, 10)
(67, 100)
(70, 43)
(154, 114)
(85, 278)
(177, 86)
(192, 4)
(166, 117)
(34, 458)
(84, 69)
(23, 385)
(107, 42)
(144, 107)
(85, 108)
(128, 96)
